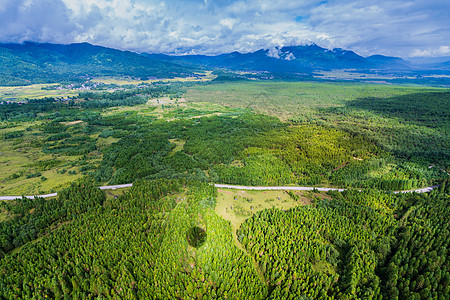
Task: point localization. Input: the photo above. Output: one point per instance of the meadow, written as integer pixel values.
(294, 99)
(198, 77)
(34, 91)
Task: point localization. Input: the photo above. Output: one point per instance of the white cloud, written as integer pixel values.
(228, 22)
(396, 27)
(436, 52)
(274, 52)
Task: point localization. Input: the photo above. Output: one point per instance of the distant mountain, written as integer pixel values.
(42, 63)
(291, 59)
(440, 63)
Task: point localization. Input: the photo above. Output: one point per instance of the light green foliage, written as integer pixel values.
(409, 122)
(292, 99)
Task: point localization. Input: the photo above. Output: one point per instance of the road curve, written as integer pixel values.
(229, 186)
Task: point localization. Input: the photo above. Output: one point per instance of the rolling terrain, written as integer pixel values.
(222, 186)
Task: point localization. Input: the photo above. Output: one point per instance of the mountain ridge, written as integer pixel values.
(31, 62)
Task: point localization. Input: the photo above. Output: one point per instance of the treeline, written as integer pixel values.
(412, 127)
(235, 147)
(31, 218)
(131, 97)
(31, 109)
(356, 245)
(419, 265)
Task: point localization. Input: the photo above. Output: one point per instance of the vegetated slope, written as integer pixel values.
(27, 63)
(22, 64)
(46, 143)
(162, 241)
(250, 149)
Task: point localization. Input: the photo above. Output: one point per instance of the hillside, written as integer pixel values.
(28, 63)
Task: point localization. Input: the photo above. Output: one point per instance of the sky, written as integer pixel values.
(419, 28)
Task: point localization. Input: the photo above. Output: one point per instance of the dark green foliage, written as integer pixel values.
(250, 149)
(419, 265)
(60, 109)
(136, 247)
(352, 247)
(13, 135)
(32, 217)
(196, 236)
(151, 244)
(412, 127)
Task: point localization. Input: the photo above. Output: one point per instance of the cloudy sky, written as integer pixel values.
(395, 27)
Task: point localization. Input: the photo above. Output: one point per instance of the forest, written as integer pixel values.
(164, 239)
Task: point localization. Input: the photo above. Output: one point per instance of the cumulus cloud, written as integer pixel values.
(436, 52)
(397, 27)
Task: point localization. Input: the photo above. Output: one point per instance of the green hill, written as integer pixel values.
(29, 63)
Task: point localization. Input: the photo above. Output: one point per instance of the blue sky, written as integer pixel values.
(419, 28)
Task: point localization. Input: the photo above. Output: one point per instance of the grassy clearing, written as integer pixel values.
(179, 145)
(324, 267)
(35, 91)
(169, 109)
(25, 169)
(115, 193)
(238, 205)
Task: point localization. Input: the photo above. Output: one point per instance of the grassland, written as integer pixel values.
(238, 205)
(411, 122)
(201, 77)
(20, 173)
(27, 169)
(289, 99)
(386, 115)
(35, 91)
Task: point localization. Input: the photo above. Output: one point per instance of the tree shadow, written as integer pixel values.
(415, 125)
(196, 236)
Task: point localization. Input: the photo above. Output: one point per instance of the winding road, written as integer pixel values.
(238, 187)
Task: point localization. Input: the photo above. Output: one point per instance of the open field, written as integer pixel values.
(26, 169)
(288, 99)
(403, 120)
(202, 77)
(21, 174)
(365, 125)
(238, 205)
(35, 91)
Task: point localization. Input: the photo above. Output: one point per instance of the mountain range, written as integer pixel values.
(292, 59)
(43, 63)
